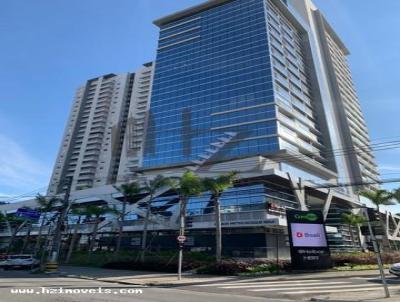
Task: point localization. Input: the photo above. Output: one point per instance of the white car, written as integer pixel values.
(395, 269)
(19, 261)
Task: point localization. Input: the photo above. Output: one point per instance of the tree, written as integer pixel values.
(379, 198)
(188, 185)
(353, 220)
(151, 187)
(129, 191)
(46, 205)
(217, 186)
(14, 225)
(96, 212)
(396, 194)
(80, 213)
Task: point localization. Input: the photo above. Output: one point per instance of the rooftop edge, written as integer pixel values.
(189, 11)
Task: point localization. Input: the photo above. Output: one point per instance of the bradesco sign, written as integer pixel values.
(308, 244)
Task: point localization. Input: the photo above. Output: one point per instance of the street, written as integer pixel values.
(21, 280)
(21, 286)
(301, 289)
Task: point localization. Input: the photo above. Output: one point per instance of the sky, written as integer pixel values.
(50, 47)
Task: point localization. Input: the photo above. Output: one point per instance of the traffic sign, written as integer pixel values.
(181, 238)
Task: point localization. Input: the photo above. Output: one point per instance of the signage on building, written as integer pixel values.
(28, 213)
(309, 247)
(136, 241)
(270, 221)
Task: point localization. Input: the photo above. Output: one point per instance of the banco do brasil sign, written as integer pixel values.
(308, 243)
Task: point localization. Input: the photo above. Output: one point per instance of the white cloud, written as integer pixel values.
(19, 171)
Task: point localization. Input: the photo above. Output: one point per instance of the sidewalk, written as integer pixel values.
(375, 296)
(166, 279)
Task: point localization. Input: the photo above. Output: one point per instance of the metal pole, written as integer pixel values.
(378, 256)
(55, 254)
(277, 253)
(181, 233)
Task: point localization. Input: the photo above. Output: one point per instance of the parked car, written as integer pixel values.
(395, 269)
(19, 261)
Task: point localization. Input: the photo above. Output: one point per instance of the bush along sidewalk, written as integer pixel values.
(161, 261)
(239, 267)
(205, 264)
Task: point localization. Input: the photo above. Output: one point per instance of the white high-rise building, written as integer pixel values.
(92, 142)
(136, 125)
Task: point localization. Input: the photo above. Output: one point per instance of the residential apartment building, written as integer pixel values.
(136, 123)
(92, 143)
(353, 127)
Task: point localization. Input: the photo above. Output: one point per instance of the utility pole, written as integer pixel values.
(377, 254)
(55, 252)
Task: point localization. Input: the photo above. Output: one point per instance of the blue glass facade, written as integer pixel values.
(255, 197)
(212, 75)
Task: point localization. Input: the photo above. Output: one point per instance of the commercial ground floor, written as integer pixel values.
(253, 215)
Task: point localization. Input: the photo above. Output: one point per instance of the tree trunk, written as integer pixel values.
(59, 231)
(39, 237)
(145, 226)
(121, 227)
(218, 229)
(182, 216)
(73, 240)
(359, 238)
(351, 233)
(26, 239)
(46, 246)
(14, 234)
(94, 235)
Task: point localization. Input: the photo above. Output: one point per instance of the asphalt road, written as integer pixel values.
(301, 289)
(13, 286)
(21, 286)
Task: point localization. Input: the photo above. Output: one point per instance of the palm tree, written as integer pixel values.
(80, 213)
(25, 244)
(396, 194)
(15, 224)
(217, 186)
(96, 212)
(4, 221)
(379, 198)
(46, 205)
(129, 191)
(150, 187)
(188, 185)
(353, 220)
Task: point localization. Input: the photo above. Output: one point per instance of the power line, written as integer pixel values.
(299, 157)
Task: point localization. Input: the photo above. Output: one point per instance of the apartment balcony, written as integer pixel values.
(92, 141)
(92, 152)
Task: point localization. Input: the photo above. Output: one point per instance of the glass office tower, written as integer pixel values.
(255, 68)
(213, 74)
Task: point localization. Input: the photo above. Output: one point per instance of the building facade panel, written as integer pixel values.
(212, 75)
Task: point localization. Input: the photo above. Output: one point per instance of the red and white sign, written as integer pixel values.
(308, 235)
(181, 238)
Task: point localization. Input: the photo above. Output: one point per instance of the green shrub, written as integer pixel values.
(165, 261)
(236, 267)
(359, 258)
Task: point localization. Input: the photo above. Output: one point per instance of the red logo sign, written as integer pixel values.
(181, 238)
(299, 235)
